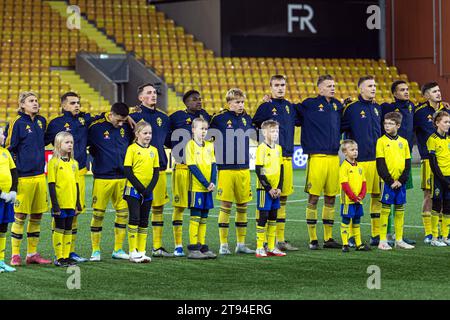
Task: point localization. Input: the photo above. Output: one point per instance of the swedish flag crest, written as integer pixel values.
(244, 121)
(159, 121)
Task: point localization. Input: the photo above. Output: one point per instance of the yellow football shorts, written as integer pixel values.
(31, 195)
(160, 196)
(234, 186)
(288, 177)
(180, 185)
(426, 174)
(109, 189)
(322, 174)
(82, 187)
(373, 180)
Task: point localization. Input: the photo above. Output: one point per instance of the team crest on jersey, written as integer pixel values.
(274, 111)
(199, 201)
(28, 128)
(400, 145)
(219, 191)
(152, 154)
(386, 197)
(17, 204)
(74, 168)
(430, 118)
(122, 132)
(159, 121)
(176, 198)
(188, 121)
(410, 109)
(67, 126)
(5, 155)
(81, 121)
(106, 135)
(376, 112)
(437, 192)
(244, 121)
(321, 108)
(287, 109)
(397, 110)
(229, 124)
(363, 114)
(39, 123)
(334, 106)
(360, 171)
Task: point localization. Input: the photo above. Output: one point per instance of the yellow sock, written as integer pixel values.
(399, 221)
(260, 237)
(328, 221)
(384, 217)
(440, 223)
(357, 234)
(350, 229)
(434, 224)
(2, 245)
(17, 235)
(157, 227)
(96, 229)
(33, 234)
(58, 243)
(177, 225)
(74, 233)
(311, 221)
(281, 221)
(426, 219)
(120, 228)
(142, 239)
(271, 230)
(132, 237)
(375, 210)
(344, 233)
(445, 225)
(224, 224)
(67, 240)
(241, 223)
(202, 231)
(194, 223)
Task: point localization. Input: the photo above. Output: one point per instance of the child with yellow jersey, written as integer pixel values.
(65, 196)
(269, 170)
(438, 145)
(201, 161)
(8, 191)
(353, 191)
(393, 166)
(141, 168)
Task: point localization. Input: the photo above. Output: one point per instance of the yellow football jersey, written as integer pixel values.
(395, 152)
(6, 164)
(270, 159)
(65, 176)
(203, 157)
(440, 146)
(354, 175)
(143, 161)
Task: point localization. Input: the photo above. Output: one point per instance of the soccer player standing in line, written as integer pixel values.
(141, 167)
(8, 191)
(235, 127)
(108, 140)
(282, 111)
(269, 172)
(25, 141)
(361, 122)
(320, 119)
(160, 123)
(65, 196)
(423, 127)
(438, 145)
(201, 162)
(393, 166)
(182, 119)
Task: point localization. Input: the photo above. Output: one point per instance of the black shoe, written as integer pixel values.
(375, 241)
(363, 247)
(71, 262)
(409, 241)
(351, 242)
(314, 245)
(331, 244)
(61, 262)
(345, 248)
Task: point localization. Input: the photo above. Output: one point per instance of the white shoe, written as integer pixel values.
(261, 253)
(135, 257)
(403, 245)
(120, 254)
(276, 253)
(446, 241)
(145, 258)
(437, 243)
(95, 257)
(242, 248)
(384, 245)
(224, 250)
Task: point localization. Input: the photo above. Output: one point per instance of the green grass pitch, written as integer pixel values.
(325, 274)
